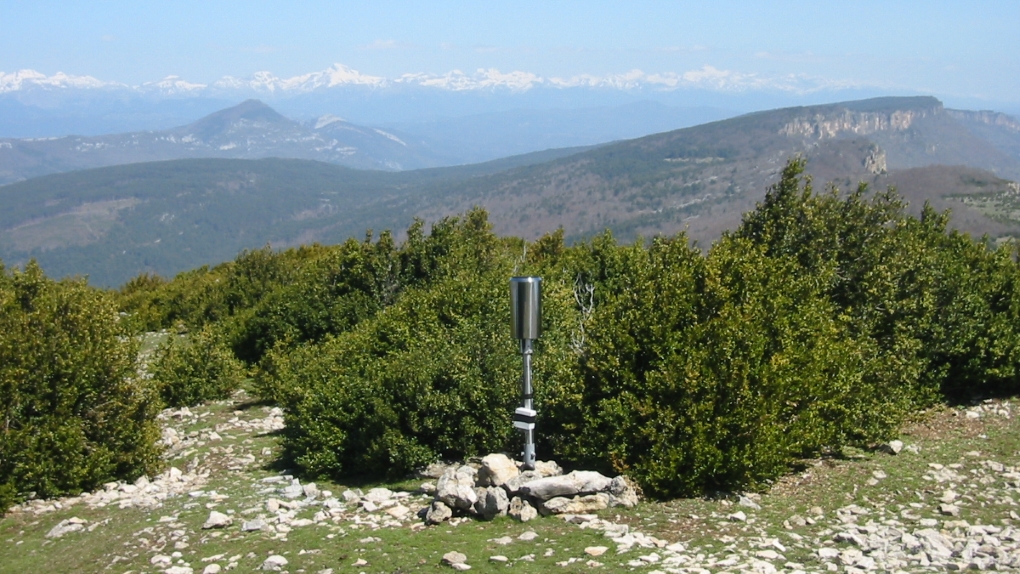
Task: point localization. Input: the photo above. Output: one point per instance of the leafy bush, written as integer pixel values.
(265, 298)
(135, 299)
(434, 375)
(190, 369)
(75, 414)
(822, 321)
(194, 298)
(937, 303)
(707, 373)
(336, 290)
(211, 295)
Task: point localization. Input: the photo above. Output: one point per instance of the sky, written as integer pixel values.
(959, 51)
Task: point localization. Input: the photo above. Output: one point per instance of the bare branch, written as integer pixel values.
(584, 296)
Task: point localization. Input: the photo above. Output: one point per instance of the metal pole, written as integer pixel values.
(526, 325)
(528, 403)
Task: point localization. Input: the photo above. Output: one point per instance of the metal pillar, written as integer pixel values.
(526, 326)
(527, 407)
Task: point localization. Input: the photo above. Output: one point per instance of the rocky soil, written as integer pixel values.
(945, 500)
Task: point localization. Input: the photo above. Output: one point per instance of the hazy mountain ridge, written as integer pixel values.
(525, 130)
(170, 216)
(253, 130)
(250, 130)
(703, 178)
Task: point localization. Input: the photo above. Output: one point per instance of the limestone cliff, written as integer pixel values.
(988, 118)
(844, 122)
(875, 161)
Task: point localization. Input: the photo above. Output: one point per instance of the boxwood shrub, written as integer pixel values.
(74, 412)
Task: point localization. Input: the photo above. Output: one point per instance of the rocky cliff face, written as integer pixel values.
(988, 118)
(843, 122)
(875, 161)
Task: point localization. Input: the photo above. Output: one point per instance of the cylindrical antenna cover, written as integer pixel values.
(526, 307)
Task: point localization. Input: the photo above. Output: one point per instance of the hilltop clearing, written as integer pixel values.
(947, 500)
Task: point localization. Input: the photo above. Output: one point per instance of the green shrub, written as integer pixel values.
(706, 373)
(75, 414)
(135, 299)
(939, 306)
(822, 321)
(190, 369)
(211, 295)
(432, 376)
(341, 287)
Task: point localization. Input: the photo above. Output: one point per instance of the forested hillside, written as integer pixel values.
(702, 179)
(167, 217)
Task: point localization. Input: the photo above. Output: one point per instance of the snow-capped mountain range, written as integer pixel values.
(28, 79)
(482, 109)
(339, 75)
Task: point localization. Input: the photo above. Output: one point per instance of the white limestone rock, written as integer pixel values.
(452, 558)
(492, 502)
(456, 488)
(576, 505)
(577, 482)
(274, 563)
(379, 495)
(217, 520)
(546, 468)
(438, 512)
(73, 524)
(496, 470)
(521, 510)
(253, 525)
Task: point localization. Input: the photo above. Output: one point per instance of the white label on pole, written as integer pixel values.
(524, 419)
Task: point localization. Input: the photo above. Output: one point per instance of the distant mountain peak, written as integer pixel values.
(173, 85)
(325, 120)
(251, 111)
(28, 79)
(334, 76)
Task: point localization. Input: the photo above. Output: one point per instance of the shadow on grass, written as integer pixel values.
(253, 403)
(972, 399)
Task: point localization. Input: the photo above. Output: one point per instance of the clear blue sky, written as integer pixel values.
(954, 50)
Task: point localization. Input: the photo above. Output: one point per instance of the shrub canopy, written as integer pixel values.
(75, 413)
(822, 321)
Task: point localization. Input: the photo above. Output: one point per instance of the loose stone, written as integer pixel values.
(217, 520)
(451, 558)
(274, 563)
